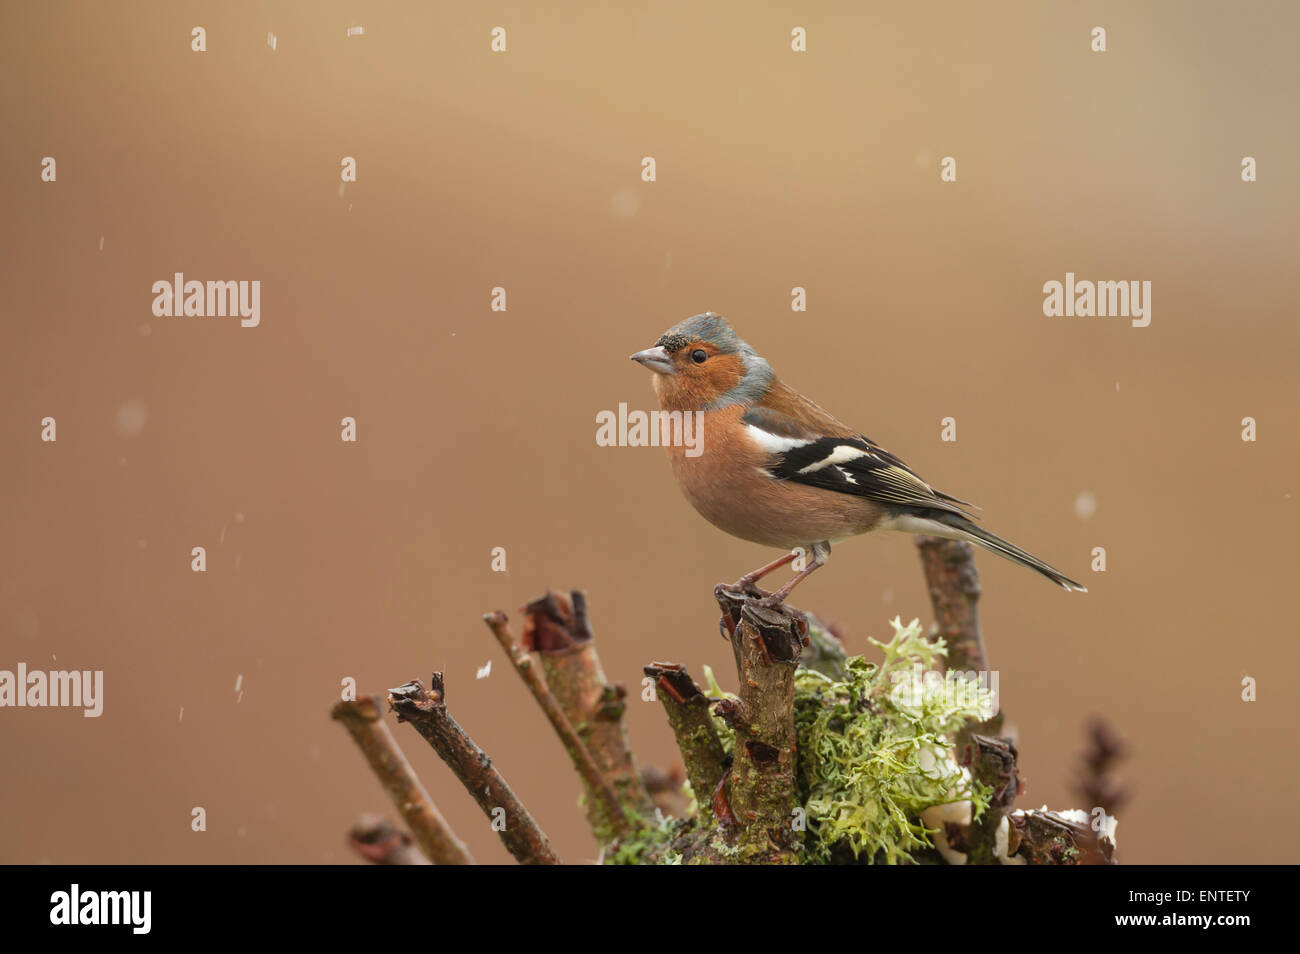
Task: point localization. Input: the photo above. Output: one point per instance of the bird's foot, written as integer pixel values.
(744, 587)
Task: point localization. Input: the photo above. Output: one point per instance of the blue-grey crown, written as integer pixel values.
(716, 331)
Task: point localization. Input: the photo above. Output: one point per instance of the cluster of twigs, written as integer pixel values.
(745, 798)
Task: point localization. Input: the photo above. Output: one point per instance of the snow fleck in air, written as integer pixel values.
(356, 31)
(887, 597)
(223, 535)
(342, 186)
(142, 543)
(130, 418)
(145, 331)
(182, 715)
(239, 681)
(1117, 387)
(484, 671)
(239, 516)
(1085, 505)
(271, 41)
(101, 243)
(624, 204)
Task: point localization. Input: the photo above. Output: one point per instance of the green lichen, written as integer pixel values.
(725, 734)
(692, 803)
(875, 750)
(650, 845)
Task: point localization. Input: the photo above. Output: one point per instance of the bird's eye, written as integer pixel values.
(699, 356)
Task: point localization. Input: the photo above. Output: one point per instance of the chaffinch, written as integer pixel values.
(776, 469)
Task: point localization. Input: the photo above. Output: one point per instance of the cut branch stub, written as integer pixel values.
(759, 791)
(1046, 838)
(558, 629)
(666, 788)
(688, 715)
(1097, 783)
(426, 710)
(992, 762)
(378, 841)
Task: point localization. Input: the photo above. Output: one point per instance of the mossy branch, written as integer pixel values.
(1049, 838)
(992, 763)
(687, 708)
(759, 790)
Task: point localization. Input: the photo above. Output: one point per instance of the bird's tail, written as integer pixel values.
(956, 527)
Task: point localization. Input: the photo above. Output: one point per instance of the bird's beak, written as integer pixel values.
(656, 359)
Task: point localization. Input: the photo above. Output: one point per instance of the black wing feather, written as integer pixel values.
(831, 464)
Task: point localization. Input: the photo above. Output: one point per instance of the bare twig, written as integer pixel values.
(365, 724)
(426, 710)
(615, 821)
(380, 842)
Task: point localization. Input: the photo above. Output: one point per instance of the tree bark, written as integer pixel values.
(364, 723)
(426, 710)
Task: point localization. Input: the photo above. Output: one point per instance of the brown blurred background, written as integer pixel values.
(477, 428)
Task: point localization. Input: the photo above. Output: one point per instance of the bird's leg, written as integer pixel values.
(747, 583)
(820, 551)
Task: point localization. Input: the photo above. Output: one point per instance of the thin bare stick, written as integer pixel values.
(365, 724)
(426, 710)
(616, 821)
